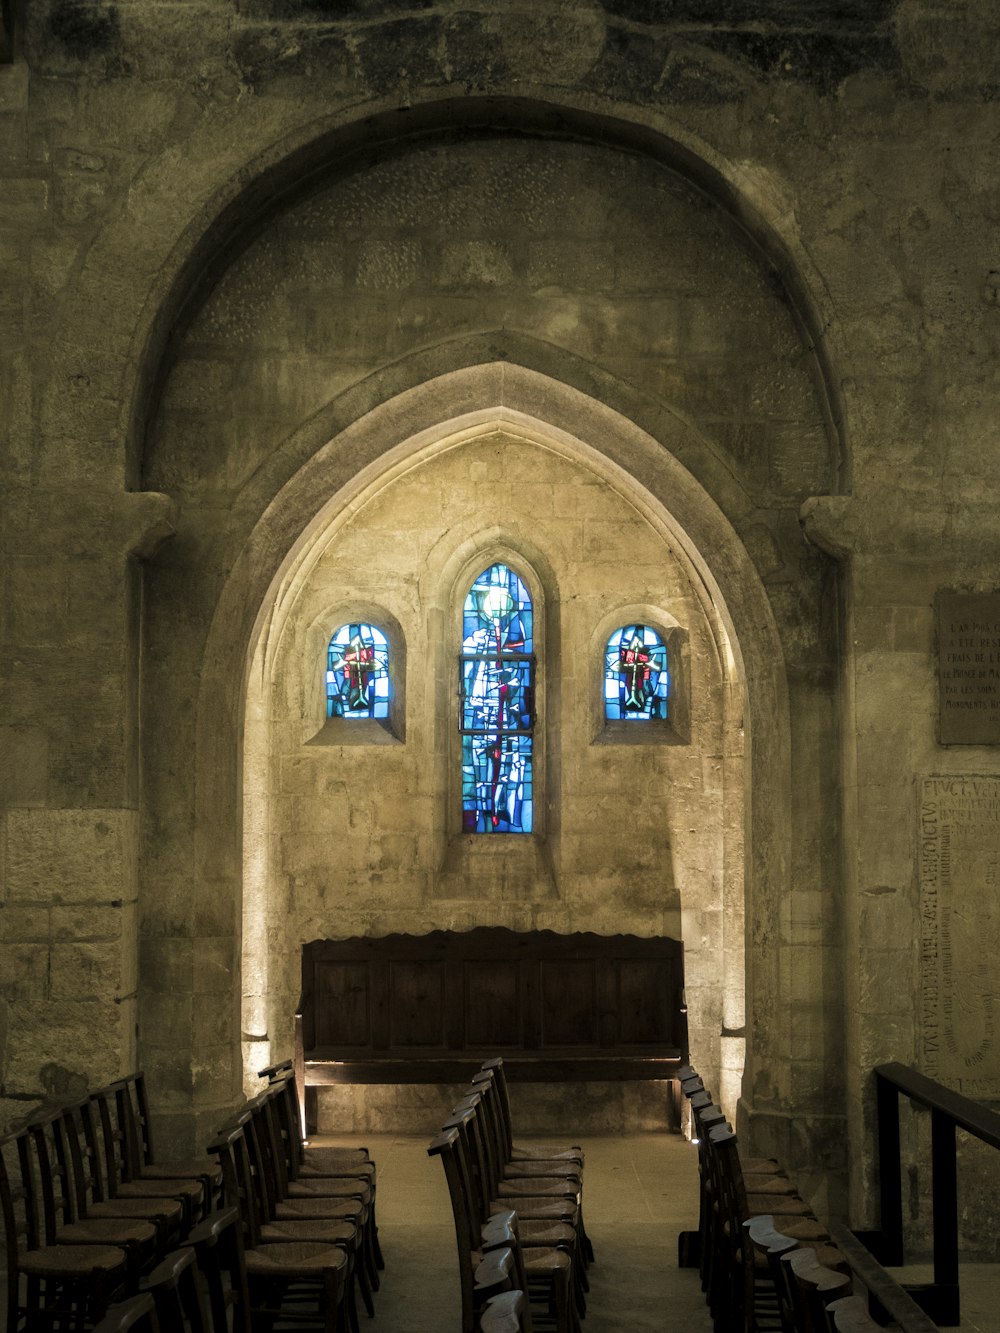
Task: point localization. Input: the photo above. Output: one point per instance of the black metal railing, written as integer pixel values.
(949, 1111)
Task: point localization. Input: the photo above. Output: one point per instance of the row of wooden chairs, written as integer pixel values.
(517, 1207)
(87, 1210)
(98, 1232)
(767, 1263)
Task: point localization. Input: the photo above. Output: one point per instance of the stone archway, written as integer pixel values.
(386, 444)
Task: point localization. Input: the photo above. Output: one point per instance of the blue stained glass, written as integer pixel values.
(636, 679)
(496, 681)
(357, 673)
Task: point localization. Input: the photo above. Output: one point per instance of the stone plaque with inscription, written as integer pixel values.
(959, 842)
(968, 626)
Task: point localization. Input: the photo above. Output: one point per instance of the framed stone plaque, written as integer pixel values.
(959, 862)
(968, 639)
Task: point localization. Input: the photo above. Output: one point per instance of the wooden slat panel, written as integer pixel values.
(569, 1002)
(644, 1013)
(416, 1004)
(493, 1003)
(341, 999)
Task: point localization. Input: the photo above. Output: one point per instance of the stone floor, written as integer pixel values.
(641, 1191)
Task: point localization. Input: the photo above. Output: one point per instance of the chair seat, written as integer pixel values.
(301, 1257)
(765, 1184)
(330, 1189)
(194, 1169)
(170, 1188)
(53, 1260)
(524, 1170)
(527, 1152)
(778, 1203)
(142, 1209)
(292, 1210)
(106, 1231)
(540, 1187)
(542, 1233)
(333, 1170)
(537, 1209)
(319, 1230)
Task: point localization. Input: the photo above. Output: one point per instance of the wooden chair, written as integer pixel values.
(547, 1219)
(90, 1181)
(549, 1283)
(179, 1294)
(325, 1160)
(850, 1314)
(770, 1246)
(121, 1167)
(813, 1286)
(345, 1232)
(56, 1218)
(218, 1245)
(68, 1287)
(536, 1232)
(556, 1264)
(136, 1315)
(297, 1281)
(135, 1111)
(520, 1150)
(323, 1165)
(319, 1201)
(733, 1278)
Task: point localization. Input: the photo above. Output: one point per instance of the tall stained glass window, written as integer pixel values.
(636, 679)
(497, 692)
(357, 673)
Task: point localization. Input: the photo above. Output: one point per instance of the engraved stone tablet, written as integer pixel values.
(959, 851)
(969, 667)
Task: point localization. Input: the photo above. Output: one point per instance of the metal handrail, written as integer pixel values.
(949, 1111)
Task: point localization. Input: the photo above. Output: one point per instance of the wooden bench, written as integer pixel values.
(430, 1008)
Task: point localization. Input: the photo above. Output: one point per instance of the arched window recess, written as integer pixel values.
(642, 694)
(497, 704)
(363, 680)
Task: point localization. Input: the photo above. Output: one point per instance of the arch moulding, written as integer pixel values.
(384, 443)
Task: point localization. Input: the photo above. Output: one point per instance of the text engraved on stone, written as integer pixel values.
(968, 633)
(959, 862)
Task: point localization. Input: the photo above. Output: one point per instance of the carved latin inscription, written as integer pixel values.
(959, 841)
(969, 667)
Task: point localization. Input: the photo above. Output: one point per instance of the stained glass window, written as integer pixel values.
(357, 673)
(636, 679)
(497, 688)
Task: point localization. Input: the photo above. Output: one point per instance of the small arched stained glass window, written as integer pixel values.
(497, 704)
(636, 679)
(357, 672)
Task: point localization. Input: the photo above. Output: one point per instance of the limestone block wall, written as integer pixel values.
(144, 148)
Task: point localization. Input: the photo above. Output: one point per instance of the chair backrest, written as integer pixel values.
(230, 1147)
(116, 1158)
(218, 1243)
(813, 1286)
(850, 1314)
(138, 1314)
(448, 1146)
(495, 1070)
(175, 1285)
(477, 1149)
(508, 1312)
(136, 1105)
(52, 1176)
(84, 1147)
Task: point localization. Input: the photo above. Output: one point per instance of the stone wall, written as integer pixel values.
(230, 232)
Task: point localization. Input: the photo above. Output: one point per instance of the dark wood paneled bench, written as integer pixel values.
(430, 1008)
